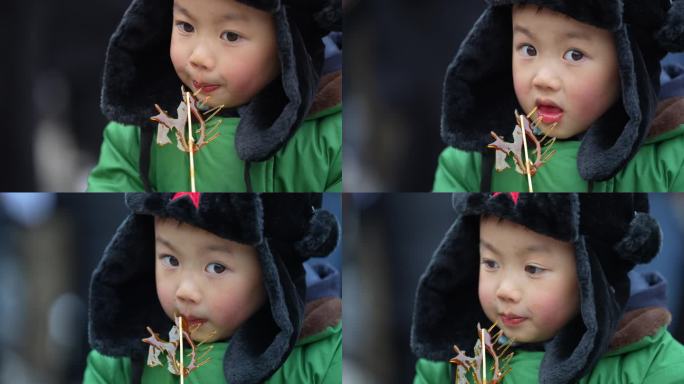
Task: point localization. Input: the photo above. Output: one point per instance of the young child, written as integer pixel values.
(589, 67)
(551, 270)
(280, 125)
(232, 267)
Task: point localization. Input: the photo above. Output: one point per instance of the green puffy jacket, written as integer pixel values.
(311, 161)
(655, 359)
(316, 359)
(657, 167)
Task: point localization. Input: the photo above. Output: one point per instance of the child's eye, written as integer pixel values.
(533, 269)
(215, 268)
(169, 260)
(527, 50)
(230, 36)
(573, 55)
(185, 27)
(489, 264)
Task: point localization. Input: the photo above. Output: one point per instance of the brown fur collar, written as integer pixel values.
(320, 314)
(669, 115)
(639, 323)
(329, 92)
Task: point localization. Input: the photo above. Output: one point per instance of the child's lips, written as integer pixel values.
(549, 113)
(194, 322)
(512, 320)
(204, 87)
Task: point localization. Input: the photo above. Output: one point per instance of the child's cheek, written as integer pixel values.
(521, 85)
(178, 58)
(588, 102)
(593, 96)
(223, 310)
(166, 295)
(487, 295)
(549, 312)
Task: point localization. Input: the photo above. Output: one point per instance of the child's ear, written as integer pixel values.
(641, 243)
(671, 34)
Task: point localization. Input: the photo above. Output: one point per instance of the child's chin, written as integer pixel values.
(201, 337)
(524, 337)
(206, 336)
(550, 130)
(561, 132)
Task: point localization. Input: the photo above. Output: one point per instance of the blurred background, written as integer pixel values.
(51, 76)
(389, 240)
(49, 246)
(396, 59)
(397, 55)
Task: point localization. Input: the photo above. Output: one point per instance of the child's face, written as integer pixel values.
(566, 68)
(214, 282)
(528, 281)
(225, 48)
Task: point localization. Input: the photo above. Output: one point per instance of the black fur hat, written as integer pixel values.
(478, 83)
(138, 71)
(610, 234)
(285, 229)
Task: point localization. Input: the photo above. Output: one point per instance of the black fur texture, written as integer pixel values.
(610, 233)
(478, 89)
(123, 299)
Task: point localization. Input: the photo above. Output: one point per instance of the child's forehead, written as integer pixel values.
(559, 29)
(163, 220)
(531, 13)
(494, 229)
(538, 10)
(227, 9)
(171, 226)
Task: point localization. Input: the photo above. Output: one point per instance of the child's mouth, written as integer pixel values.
(549, 114)
(512, 320)
(205, 88)
(194, 323)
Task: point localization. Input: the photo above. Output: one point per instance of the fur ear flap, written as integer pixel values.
(642, 241)
(322, 236)
(671, 35)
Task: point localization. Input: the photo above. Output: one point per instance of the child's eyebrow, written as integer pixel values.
(218, 248)
(490, 247)
(534, 248)
(165, 242)
(182, 10)
(232, 16)
(578, 35)
(523, 30)
(572, 34)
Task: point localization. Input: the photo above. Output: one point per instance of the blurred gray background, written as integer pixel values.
(53, 54)
(397, 55)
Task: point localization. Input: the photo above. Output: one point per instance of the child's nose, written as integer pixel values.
(546, 78)
(187, 292)
(201, 57)
(508, 291)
